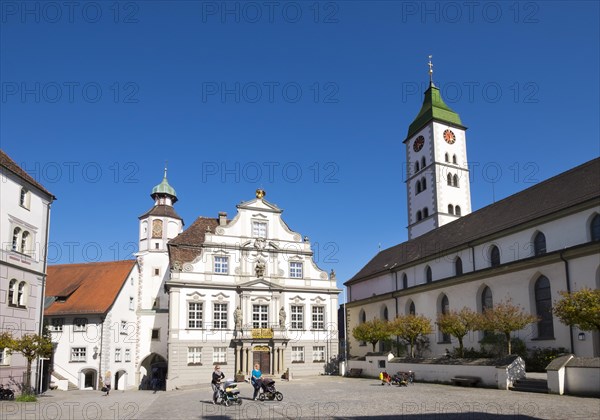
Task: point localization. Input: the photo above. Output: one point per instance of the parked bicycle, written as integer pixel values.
(6, 393)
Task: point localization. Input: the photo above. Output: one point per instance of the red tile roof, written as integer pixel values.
(188, 244)
(85, 288)
(12, 166)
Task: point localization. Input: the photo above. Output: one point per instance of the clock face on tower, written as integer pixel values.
(418, 144)
(449, 136)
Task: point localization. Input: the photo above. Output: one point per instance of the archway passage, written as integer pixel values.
(153, 371)
(120, 380)
(90, 378)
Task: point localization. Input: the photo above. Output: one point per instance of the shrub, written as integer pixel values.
(26, 398)
(539, 358)
(495, 345)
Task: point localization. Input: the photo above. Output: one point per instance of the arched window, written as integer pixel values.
(543, 307)
(446, 157)
(404, 281)
(15, 239)
(12, 293)
(458, 268)
(539, 244)
(423, 184)
(457, 210)
(24, 198)
(455, 180)
(486, 299)
(449, 179)
(25, 241)
(595, 228)
(494, 256)
(428, 275)
(385, 314)
(411, 308)
(444, 309)
(423, 162)
(363, 317)
(416, 166)
(418, 187)
(425, 212)
(450, 209)
(454, 159)
(419, 216)
(21, 294)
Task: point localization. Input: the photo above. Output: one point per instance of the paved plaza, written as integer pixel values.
(310, 397)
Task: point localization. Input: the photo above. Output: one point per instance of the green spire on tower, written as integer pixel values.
(164, 189)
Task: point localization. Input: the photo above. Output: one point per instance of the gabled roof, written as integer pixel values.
(185, 247)
(12, 166)
(576, 186)
(89, 288)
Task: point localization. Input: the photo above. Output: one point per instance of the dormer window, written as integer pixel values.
(259, 229)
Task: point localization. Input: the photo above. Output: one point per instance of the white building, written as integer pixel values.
(247, 291)
(527, 247)
(24, 225)
(91, 310)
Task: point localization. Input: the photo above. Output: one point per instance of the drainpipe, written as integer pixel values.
(568, 278)
(44, 275)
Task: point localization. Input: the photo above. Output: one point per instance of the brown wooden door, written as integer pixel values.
(263, 358)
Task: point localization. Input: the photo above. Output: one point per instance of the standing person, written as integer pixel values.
(256, 380)
(217, 377)
(107, 382)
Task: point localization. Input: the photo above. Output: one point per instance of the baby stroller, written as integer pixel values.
(269, 391)
(403, 378)
(229, 394)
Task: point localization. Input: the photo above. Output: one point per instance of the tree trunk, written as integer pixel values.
(508, 342)
(373, 344)
(460, 347)
(28, 378)
(412, 348)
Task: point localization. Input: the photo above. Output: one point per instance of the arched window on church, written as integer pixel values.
(428, 275)
(425, 212)
(443, 310)
(455, 180)
(494, 256)
(457, 210)
(423, 161)
(418, 186)
(543, 307)
(411, 308)
(449, 179)
(416, 166)
(595, 228)
(423, 184)
(419, 216)
(404, 281)
(450, 209)
(385, 314)
(454, 159)
(363, 317)
(447, 157)
(487, 301)
(539, 244)
(458, 268)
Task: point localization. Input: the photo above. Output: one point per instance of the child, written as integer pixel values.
(385, 378)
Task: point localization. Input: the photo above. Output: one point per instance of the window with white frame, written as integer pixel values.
(297, 354)
(194, 355)
(195, 315)
(56, 324)
(220, 355)
(22, 295)
(221, 265)
(259, 229)
(318, 353)
(123, 329)
(297, 317)
(220, 316)
(21, 240)
(4, 357)
(117, 354)
(260, 316)
(79, 324)
(24, 198)
(128, 355)
(318, 317)
(78, 354)
(296, 270)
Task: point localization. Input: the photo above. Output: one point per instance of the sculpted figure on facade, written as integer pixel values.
(260, 269)
(237, 318)
(282, 317)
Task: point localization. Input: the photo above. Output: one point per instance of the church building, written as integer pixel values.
(527, 247)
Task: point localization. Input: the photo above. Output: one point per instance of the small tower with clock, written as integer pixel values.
(437, 174)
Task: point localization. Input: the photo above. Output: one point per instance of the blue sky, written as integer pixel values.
(309, 100)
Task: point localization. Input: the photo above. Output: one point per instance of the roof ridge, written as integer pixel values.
(92, 263)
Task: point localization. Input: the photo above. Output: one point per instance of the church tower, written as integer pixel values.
(437, 175)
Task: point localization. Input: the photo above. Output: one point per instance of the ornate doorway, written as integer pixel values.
(262, 356)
